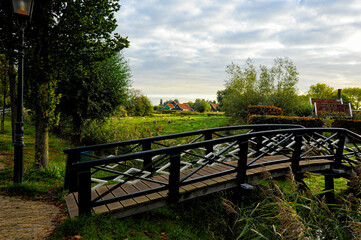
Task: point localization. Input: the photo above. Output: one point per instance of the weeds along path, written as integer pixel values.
(24, 219)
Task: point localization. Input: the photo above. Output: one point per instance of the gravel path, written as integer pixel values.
(24, 219)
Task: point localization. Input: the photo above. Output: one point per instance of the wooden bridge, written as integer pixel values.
(129, 177)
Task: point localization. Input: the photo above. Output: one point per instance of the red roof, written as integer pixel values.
(170, 105)
(184, 106)
(326, 101)
(331, 105)
(214, 105)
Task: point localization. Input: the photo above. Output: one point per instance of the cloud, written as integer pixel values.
(181, 48)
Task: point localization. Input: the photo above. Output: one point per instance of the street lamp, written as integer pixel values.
(22, 11)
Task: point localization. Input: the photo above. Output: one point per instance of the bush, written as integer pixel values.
(352, 125)
(264, 110)
(304, 121)
(332, 114)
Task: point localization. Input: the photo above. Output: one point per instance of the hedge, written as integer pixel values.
(264, 110)
(352, 125)
(304, 121)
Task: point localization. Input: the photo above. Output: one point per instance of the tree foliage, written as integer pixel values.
(66, 42)
(138, 104)
(94, 92)
(270, 86)
(201, 105)
(354, 96)
(321, 90)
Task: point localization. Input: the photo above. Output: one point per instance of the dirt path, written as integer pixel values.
(24, 219)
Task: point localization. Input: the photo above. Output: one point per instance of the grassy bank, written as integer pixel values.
(36, 182)
(119, 129)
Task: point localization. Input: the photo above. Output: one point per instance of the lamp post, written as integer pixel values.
(22, 11)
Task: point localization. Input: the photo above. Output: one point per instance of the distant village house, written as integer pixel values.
(213, 107)
(331, 106)
(182, 107)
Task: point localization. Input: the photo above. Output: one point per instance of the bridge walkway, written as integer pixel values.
(151, 201)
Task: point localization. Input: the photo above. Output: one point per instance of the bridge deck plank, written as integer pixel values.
(150, 201)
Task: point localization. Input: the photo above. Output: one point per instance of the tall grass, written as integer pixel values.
(297, 214)
(120, 129)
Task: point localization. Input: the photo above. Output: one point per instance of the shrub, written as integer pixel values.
(264, 110)
(304, 121)
(352, 125)
(332, 114)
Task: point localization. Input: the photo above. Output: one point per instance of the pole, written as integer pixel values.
(19, 129)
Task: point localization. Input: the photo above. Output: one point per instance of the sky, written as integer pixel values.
(181, 48)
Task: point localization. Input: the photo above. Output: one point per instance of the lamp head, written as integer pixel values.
(23, 8)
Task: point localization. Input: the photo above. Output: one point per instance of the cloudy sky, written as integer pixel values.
(180, 48)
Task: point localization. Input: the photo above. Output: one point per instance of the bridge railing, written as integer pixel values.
(239, 153)
(100, 151)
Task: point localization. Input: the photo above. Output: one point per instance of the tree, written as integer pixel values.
(354, 96)
(94, 93)
(138, 104)
(247, 86)
(284, 76)
(4, 86)
(8, 41)
(320, 90)
(191, 104)
(64, 41)
(201, 105)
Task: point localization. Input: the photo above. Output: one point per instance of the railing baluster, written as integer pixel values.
(296, 157)
(339, 151)
(242, 162)
(84, 194)
(71, 180)
(174, 170)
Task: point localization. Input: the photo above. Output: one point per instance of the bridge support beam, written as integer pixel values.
(296, 157)
(84, 194)
(174, 184)
(330, 188)
(242, 163)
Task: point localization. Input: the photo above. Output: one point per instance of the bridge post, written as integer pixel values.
(242, 162)
(296, 157)
(84, 193)
(147, 161)
(339, 151)
(329, 187)
(174, 175)
(208, 136)
(71, 180)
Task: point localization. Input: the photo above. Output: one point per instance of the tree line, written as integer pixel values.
(275, 86)
(74, 69)
(199, 105)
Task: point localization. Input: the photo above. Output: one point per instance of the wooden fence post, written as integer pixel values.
(174, 170)
(84, 193)
(71, 179)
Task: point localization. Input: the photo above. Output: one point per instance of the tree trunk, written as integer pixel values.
(77, 130)
(12, 81)
(4, 104)
(41, 143)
